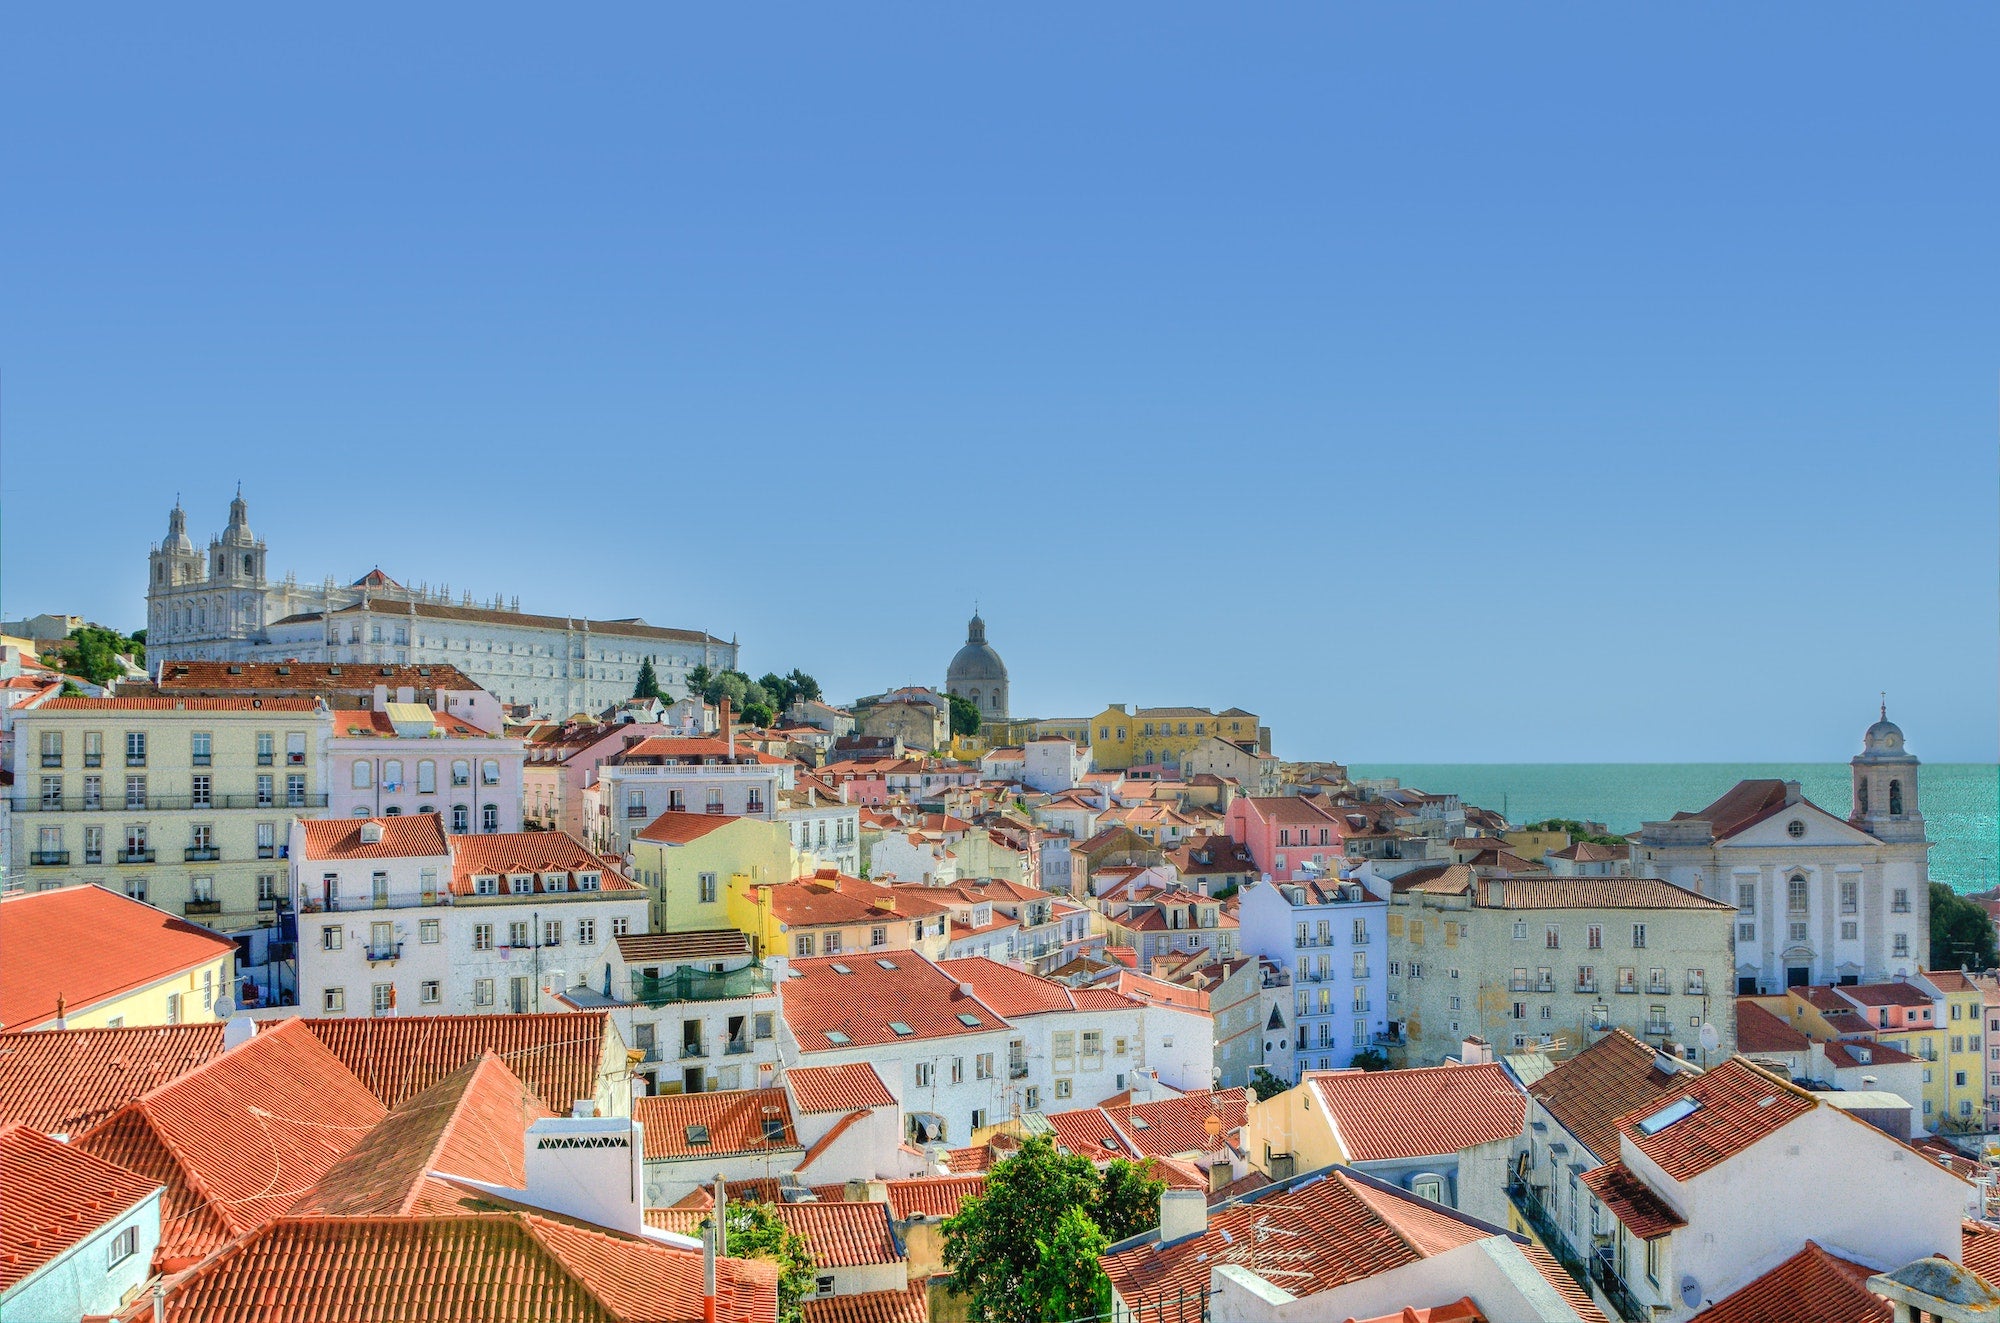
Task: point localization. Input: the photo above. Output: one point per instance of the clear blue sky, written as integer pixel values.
(1496, 383)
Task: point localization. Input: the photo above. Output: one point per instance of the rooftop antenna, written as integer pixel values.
(1885, 705)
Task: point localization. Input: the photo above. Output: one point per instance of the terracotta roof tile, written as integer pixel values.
(1611, 893)
(65, 1081)
(673, 828)
(1981, 1243)
(1589, 1092)
(1739, 1105)
(1757, 1030)
(488, 1268)
(680, 948)
(1743, 805)
(86, 945)
(553, 856)
(403, 837)
(1177, 1125)
(1632, 1201)
(1338, 1228)
(860, 1005)
(315, 677)
(691, 1125)
(1848, 1054)
(1088, 1132)
(837, 1088)
(305, 1109)
(180, 704)
(557, 1055)
(1886, 994)
(353, 722)
(839, 1234)
(1426, 1112)
(911, 1305)
(54, 1197)
(932, 1196)
(1812, 1286)
(472, 1124)
(830, 897)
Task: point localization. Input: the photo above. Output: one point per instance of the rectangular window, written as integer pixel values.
(708, 888)
(93, 748)
(620, 927)
(123, 1246)
(482, 992)
(1902, 944)
(1064, 1088)
(551, 932)
(266, 748)
(517, 933)
(1639, 936)
(982, 1066)
(203, 748)
(586, 932)
(135, 748)
(329, 939)
(428, 932)
(802, 945)
(334, 1001)
(428, 992)
(1553, 938)
(482, 937)
(1596, 935)
(926, 1074)
(295, 749)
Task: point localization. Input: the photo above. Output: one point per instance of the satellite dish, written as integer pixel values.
(1710, 1040)
(225, 1007)
(1690, 1292)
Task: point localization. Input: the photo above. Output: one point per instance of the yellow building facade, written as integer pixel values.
(1149, 737)
(696, 869)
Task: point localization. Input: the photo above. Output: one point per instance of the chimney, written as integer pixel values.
(592, 1168)
(237, 1030)
(1475, 1052)
(406, 693)
(728, 726)
(1183, 1213)
(721, 1217)
(1792, 792)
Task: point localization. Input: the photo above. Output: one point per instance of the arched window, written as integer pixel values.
(461, 772)
(974, 696)
(1895, 798)
(246, 562)
(363, 770)
(461, 819)
(994, 701)
(489, 772)
(1861, 797)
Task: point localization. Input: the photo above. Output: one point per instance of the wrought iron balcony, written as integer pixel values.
(385, 952)
(201, 854)
(693, 1051)
(202, 907)
(736, 1047)
(49, 858)
(1623, 1301)
(136, 856)
(155, 803)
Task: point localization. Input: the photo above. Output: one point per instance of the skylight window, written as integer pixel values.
(900, 1029)
(697, 1134)
(886, 964)
(835, 1036)
(1667, 1115)
(1139, 1123)
(969, 1021)
(841, 969)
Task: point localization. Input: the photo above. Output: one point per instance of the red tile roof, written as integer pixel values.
(54, 1197)
(1611, 893)
(932, 1196)
(408, 836)
(282, 1089)
(86, 945)
(64, 1081)
(907, 1306)
(839, 1234)
(1981, 1243)
(830, 897)
(549, 854)
(734, 1120)
(1743, 805)
(488, 1268)
(838, 1088)
(1740, 1105)
(861, 1003)
(471, 1124)
(1632, 1201)
(1757, 1030)
(557, 1055)
(1589, 1092)
(179, 704)
(1427, 1112)
(682, 947)
(1812, 1286)
(1949, 980)
(327, 677)
(1336, 1228)
(365, 721)
(1842, 1055)
(1173, 1126)
(1887, 994)
(1088, 1132)
(679, 828)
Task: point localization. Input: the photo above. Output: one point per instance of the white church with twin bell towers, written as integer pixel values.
(1820, 898)
(221, 606)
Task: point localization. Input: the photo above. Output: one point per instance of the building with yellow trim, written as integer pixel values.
(1963, 1045)
(89, 958)
(1153, 739)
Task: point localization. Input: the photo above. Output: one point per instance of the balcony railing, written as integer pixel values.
(1545, 985)
(202, 907)
(1696, 988)
(689, 984)
(1528, 1199)
(1623, 1302)
(1517, 985)
(1628, 989)
(93, 856)
(715, 808)
(1658, 1029)
(135, 760)
(93, 760)
(136, 856)
(159, 803)
(693, 1051)
(49, 858)
(1659, 989)
(1586, 985)
(635, 810)
(201, 854)
(736, 1047)
(1017, 1070)
(386, 951)
(1361, 939)
(52, 760)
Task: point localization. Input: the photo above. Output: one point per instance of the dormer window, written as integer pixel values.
(587, 882)
(521, 884)
(486, 886)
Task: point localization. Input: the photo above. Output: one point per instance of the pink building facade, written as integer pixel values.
(1285, 833)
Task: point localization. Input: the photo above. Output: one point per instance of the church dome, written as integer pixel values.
(976, 662)
(1884, 739)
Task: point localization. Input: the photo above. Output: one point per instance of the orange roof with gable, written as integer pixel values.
(1171, 1126)
(860, 1004)
(910, 1305)
(1738, 1105)
(83, 946)
(1615, 1075)
(556, 1054)
(673, 828)
(932, 1196)
(1813, 1286)
(1429, 1111)
(838, 1088)
(413, 835)
(547, 854)
(54, 1197)
(63, 1081)
(839, 1234)
(717, 1124)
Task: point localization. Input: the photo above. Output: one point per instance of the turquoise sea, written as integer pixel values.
(1961, 801)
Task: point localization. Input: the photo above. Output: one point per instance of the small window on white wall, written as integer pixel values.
(363, 773)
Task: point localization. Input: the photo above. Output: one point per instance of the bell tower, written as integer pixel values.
(1886, 805)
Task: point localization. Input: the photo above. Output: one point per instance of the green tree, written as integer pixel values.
(803, 686)
(1962, 935)
(1264, 1084)
(698, 680)
(1373, 1058)
(778, 690)
(758, 714)
(756, 695)
(756, 1233)
(1128, 1199)
(994, 1244)
(1578, 832)
(964, 716)
(92, 653)
(1066, 1282)
(649, 681)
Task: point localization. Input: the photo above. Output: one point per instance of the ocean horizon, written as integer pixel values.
(1960, 801)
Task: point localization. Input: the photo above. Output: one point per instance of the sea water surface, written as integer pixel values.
(1960, 801)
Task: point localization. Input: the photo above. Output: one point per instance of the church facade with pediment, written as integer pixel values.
(1820, 899)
